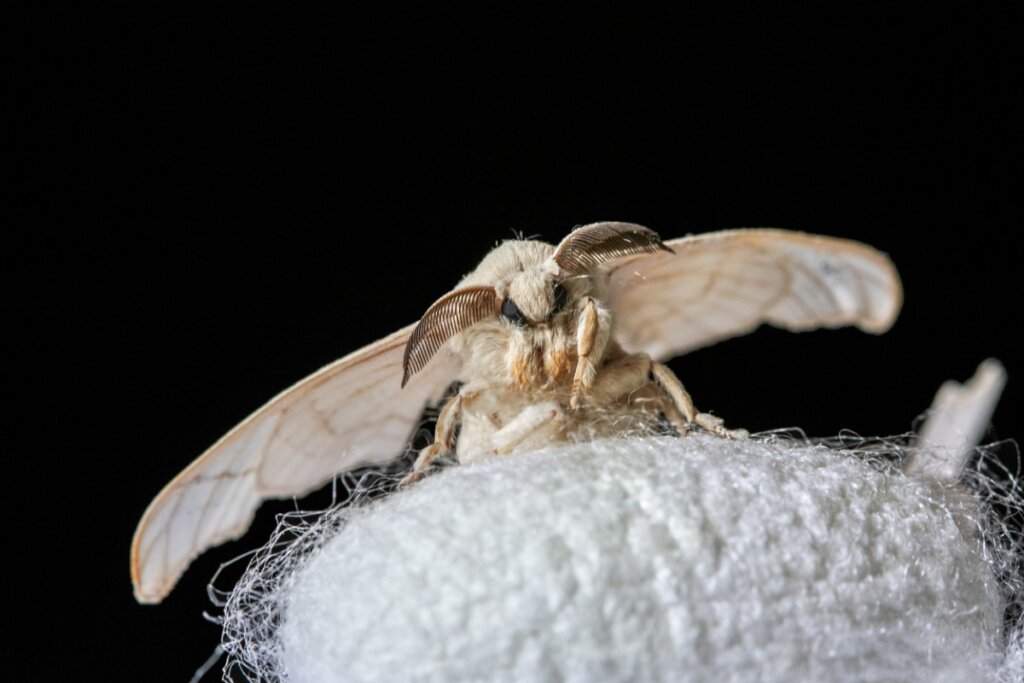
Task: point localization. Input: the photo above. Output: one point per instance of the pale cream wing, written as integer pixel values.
(724, 284)
(351, 413)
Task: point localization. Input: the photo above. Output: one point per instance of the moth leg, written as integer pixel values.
(681, 406)
(533, 420)
(444, 440)
(592, 333)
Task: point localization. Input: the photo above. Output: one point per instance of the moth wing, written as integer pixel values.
(725, 284)
(350, 413)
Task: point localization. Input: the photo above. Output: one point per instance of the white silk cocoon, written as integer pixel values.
(653, 559)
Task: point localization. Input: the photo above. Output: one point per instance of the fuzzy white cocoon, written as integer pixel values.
(658, 559)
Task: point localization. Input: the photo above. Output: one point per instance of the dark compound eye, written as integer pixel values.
(512, 313)
(561, 297)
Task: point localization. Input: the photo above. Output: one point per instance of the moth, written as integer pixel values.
(545, 343)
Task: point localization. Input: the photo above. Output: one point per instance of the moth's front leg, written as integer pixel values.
(681, 411)
(592, 333)
(444, 439)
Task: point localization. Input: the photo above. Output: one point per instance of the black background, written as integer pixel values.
(226, 203)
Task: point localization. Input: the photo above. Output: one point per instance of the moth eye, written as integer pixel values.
(561, 297)
(512, 313)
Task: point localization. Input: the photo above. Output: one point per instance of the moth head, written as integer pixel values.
(525, 284)
(534, 297)
(529, 299)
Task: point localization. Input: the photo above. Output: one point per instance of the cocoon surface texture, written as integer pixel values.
(655, 559)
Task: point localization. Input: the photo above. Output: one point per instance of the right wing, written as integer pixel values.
(351, 413)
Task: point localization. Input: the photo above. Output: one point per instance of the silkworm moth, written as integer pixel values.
(545, 343)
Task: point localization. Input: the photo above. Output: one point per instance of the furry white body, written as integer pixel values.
(558, 377)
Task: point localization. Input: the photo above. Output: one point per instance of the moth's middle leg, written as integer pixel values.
(680, 409)
(444, 439)
(632, 372)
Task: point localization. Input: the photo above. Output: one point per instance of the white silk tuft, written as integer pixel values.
(655, 559)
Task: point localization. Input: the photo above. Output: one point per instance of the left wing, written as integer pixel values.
(725, 284)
